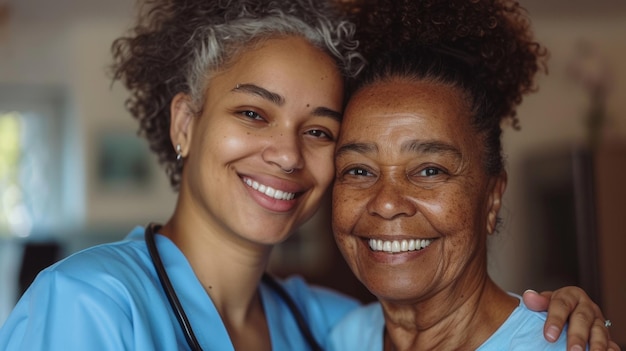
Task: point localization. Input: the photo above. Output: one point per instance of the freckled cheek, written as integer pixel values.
(346, 211)
(453, 212)
(343, 220)
(448, 212)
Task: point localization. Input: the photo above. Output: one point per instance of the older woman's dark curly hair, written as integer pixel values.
(177, 45)
(485, 47)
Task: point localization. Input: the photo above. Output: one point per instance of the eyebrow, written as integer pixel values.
(253, 89)
(431, 147)
(361, 148)
(413, 146)
(326, 112)
(279, 100)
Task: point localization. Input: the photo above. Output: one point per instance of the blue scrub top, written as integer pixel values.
(363, 330)
(109, 297)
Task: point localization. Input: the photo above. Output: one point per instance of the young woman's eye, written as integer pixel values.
(252, 115)
(318, 133)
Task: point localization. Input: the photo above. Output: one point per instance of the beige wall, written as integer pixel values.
(100, 109)
(553, 117)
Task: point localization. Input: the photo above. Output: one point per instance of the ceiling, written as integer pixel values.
(47, 10)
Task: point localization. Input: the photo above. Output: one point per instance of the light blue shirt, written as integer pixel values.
(363, 328)
(109, 298)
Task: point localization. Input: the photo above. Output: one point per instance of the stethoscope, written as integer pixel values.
(151, 229)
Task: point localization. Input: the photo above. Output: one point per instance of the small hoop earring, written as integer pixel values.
(179, 154)
(288, 171)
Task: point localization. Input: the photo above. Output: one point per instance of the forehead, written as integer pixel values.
(283, 62)
(416, 109)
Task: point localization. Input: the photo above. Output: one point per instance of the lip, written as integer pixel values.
(271, 193)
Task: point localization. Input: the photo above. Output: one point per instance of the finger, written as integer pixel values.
(535, 302)
(613, 346)
(599, 336)
(562, 304)
(546, 294)
(586, 322)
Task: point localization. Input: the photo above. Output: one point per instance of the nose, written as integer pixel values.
(284, 151)
(390, 200)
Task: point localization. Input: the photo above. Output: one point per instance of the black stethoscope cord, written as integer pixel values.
(169, 288)
(302, 324)
(150, 231)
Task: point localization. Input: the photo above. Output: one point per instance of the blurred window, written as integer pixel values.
(11, 201)
(30, 164)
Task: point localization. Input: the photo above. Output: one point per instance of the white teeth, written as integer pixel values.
(386, 246)
(395, 246)
(269, 191)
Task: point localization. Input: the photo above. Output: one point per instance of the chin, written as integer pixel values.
(389, 289)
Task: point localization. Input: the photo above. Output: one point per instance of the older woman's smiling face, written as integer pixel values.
(412, 204)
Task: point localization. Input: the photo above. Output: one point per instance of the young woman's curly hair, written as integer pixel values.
(177, 45)
(486, 47)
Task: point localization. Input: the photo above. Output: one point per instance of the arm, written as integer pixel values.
(571, 304)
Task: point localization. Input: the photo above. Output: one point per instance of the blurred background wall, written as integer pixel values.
(71, 183)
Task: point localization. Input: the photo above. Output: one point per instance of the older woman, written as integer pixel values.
(420, 177)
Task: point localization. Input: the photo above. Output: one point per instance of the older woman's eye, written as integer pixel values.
(359, 172)
(431, 172)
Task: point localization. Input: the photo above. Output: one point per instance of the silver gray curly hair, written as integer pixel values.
(177, 45)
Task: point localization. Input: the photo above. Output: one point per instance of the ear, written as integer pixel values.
(181, 124)
(497, 188)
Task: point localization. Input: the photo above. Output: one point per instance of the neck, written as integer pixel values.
(460, 319)
(230, 270)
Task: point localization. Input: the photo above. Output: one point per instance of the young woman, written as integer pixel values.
(241, 101)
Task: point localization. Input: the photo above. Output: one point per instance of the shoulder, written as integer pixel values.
(117, 260)
(367, 318)
(361, 329)
(523, 330)
(90, 300)
(105, 270)
(322, 307)
(317, 299)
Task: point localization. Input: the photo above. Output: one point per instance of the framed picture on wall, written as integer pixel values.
(123, 162)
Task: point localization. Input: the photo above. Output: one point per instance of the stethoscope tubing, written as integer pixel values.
(169, 290)
(179, 311)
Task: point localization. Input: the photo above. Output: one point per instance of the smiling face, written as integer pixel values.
(412, 204)
(276, 107)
